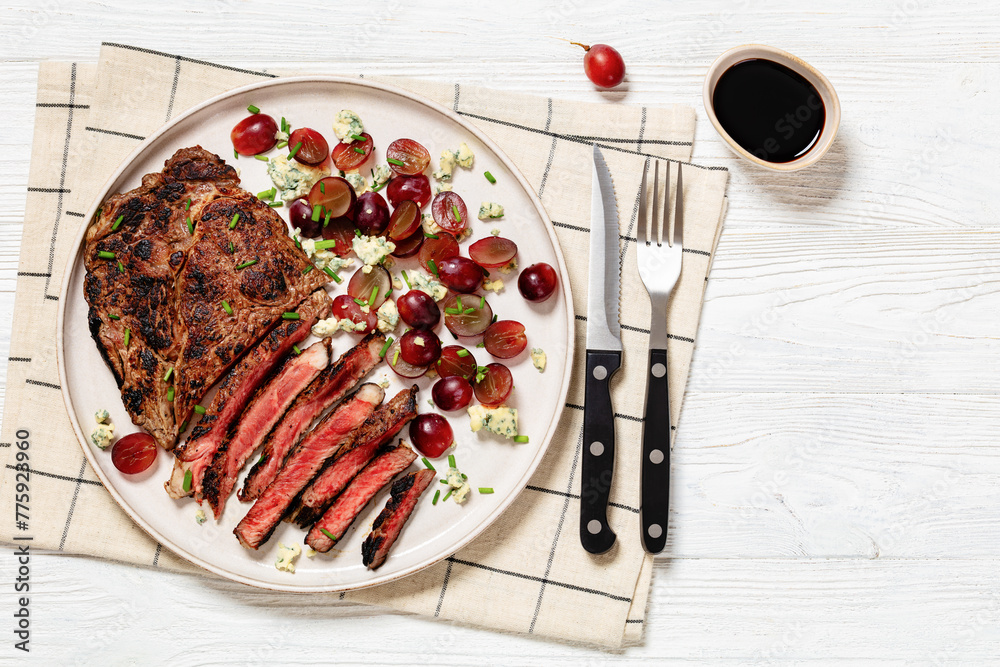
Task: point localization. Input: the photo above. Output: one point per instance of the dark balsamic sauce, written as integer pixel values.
(768, 109)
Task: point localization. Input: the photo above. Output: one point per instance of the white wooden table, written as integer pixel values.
(836, 476)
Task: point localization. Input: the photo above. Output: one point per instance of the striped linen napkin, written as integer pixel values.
(527, 573)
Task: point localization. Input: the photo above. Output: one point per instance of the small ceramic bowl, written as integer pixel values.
(804, 69)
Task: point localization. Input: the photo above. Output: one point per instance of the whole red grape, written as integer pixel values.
(603, 65)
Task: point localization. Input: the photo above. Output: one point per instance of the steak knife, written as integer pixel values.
(604, 358)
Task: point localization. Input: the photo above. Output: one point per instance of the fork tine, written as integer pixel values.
(641, 234)
(657, 205)
(679, 210)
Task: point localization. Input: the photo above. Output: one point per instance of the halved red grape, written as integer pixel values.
(493, 251)
(340, 230)
(363, 284)
(134, 453)
(460, 274)
(437, 250)
(335, 196)
(537, 282)
(410, 245)
(371, 215)
(449, 212)
(505, 339)
(467, 315)
(411, 156)
(431, 434)
(494, 385)
(314, 148)
(300, 215)
(418, 309)
(345, 307)
(452, 393)
(413, 188)
(394, 357)
(405, 221)
(352, 155)
(419, 347)
(254, 134)
(456, 361)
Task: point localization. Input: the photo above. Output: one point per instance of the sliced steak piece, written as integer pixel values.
(303, 464)
(263, 411)
(377, 430)
(161, 281)
(348, 505)
(403, 498)
(331, 385)
(196, 453)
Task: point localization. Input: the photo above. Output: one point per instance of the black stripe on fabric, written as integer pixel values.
(631, 226)
(39, 383)
(552, 150)
(566, 225)
(156, 556)
(74, 214)
(115, 133)
(72, 504)
(542, 489)
(60, 105)
(543, 580)
(658, 142)
(51, 298)
(642, 130)
(24, 359)
(454, 106)
(188, 60)
(634, 620)
(444, 587)
(65, 478)
(34, 274)
(59, 190)
(173, 94)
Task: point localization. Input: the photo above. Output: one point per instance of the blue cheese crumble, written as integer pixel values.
(346, 123)
(321, 258)
(502, 420)
(102, 416)
(492, 285)
(287, 553)
(102, 435)
(459, 485)
(380, 176)
(388, 316)
(442, 187)
(293, 180)
(446, 166)
(200, 517)
(357, 181)
(509, 267)
(372, 249)
(331, 325)
(464, 156)
(539, 359)
(428, 285)
(490, 210)
(430, 227)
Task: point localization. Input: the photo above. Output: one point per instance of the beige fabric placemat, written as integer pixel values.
(526, 573)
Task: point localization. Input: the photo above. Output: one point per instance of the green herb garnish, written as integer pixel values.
(246, 264)
(253, 109)
(489, 177)
(187, 480)
(226, 307)
(290, 316)
(118, 223)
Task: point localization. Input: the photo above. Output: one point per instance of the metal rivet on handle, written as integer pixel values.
(656, 456)
(659, 370)
(600, 372)
(596, 448)
(594, 527)
(654, 531)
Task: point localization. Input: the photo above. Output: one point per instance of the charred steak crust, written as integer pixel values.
(404, 494)
(163, 285)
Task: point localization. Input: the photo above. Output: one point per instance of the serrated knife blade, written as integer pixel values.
(604, 357)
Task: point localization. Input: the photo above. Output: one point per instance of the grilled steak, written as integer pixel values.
(377, 430)
(154, 282)
(195, 454)
(331, 385)
(348, 505)
(303, 464)
(261, 414)
(404, 494)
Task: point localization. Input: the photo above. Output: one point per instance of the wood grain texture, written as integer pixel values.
(836, 470)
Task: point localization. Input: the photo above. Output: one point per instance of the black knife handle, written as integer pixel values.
(655, 487)
(598, 451)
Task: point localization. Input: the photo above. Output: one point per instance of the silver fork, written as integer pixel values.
(659, 261)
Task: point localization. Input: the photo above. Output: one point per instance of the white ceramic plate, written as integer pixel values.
(433, 532)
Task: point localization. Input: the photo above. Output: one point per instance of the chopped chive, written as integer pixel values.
(166, 376)
(360, 302)
(190, 224)
(468, 311)
(328, 243)
(443, 481)
(284, 125)
(184, 426)
(359, 150)
(482, 302)
(322, 187)
(104, 254)
(295, 348)
(275, 204)
(199, 409)
(121, 267)
(407, 281)
(282, 144)
(307, 269)
(462, 353)
(187, 480)
(317, 212)
(357, 232)
(385, 348)
(236, 218)
(494, 318)
(328, 271)
(262, 158)
(232, 248)
(114, 317)
(235, 154)
(452, 311)
(100, 209)
(454, 212)
(267, 195)
(434, 268)
(394, 161)
(464, 477)
(388, 292)
(451, 461)
(295, 150)
(326, 219)
(447, 495)
(431, 236)
(489, 177)
(118, 223)
(187, 204)
(262, 457)
(128, 336)
(246, 264)
(357, 137)
(428, 464)
(486, 490)
(253, 109)
(328, 534)
(290, 316)
(437, 494)
(480, 344)
(458, 302)
(226, 307)
(170, 394)
(521, 438)
(395, 357)
(371, 299)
